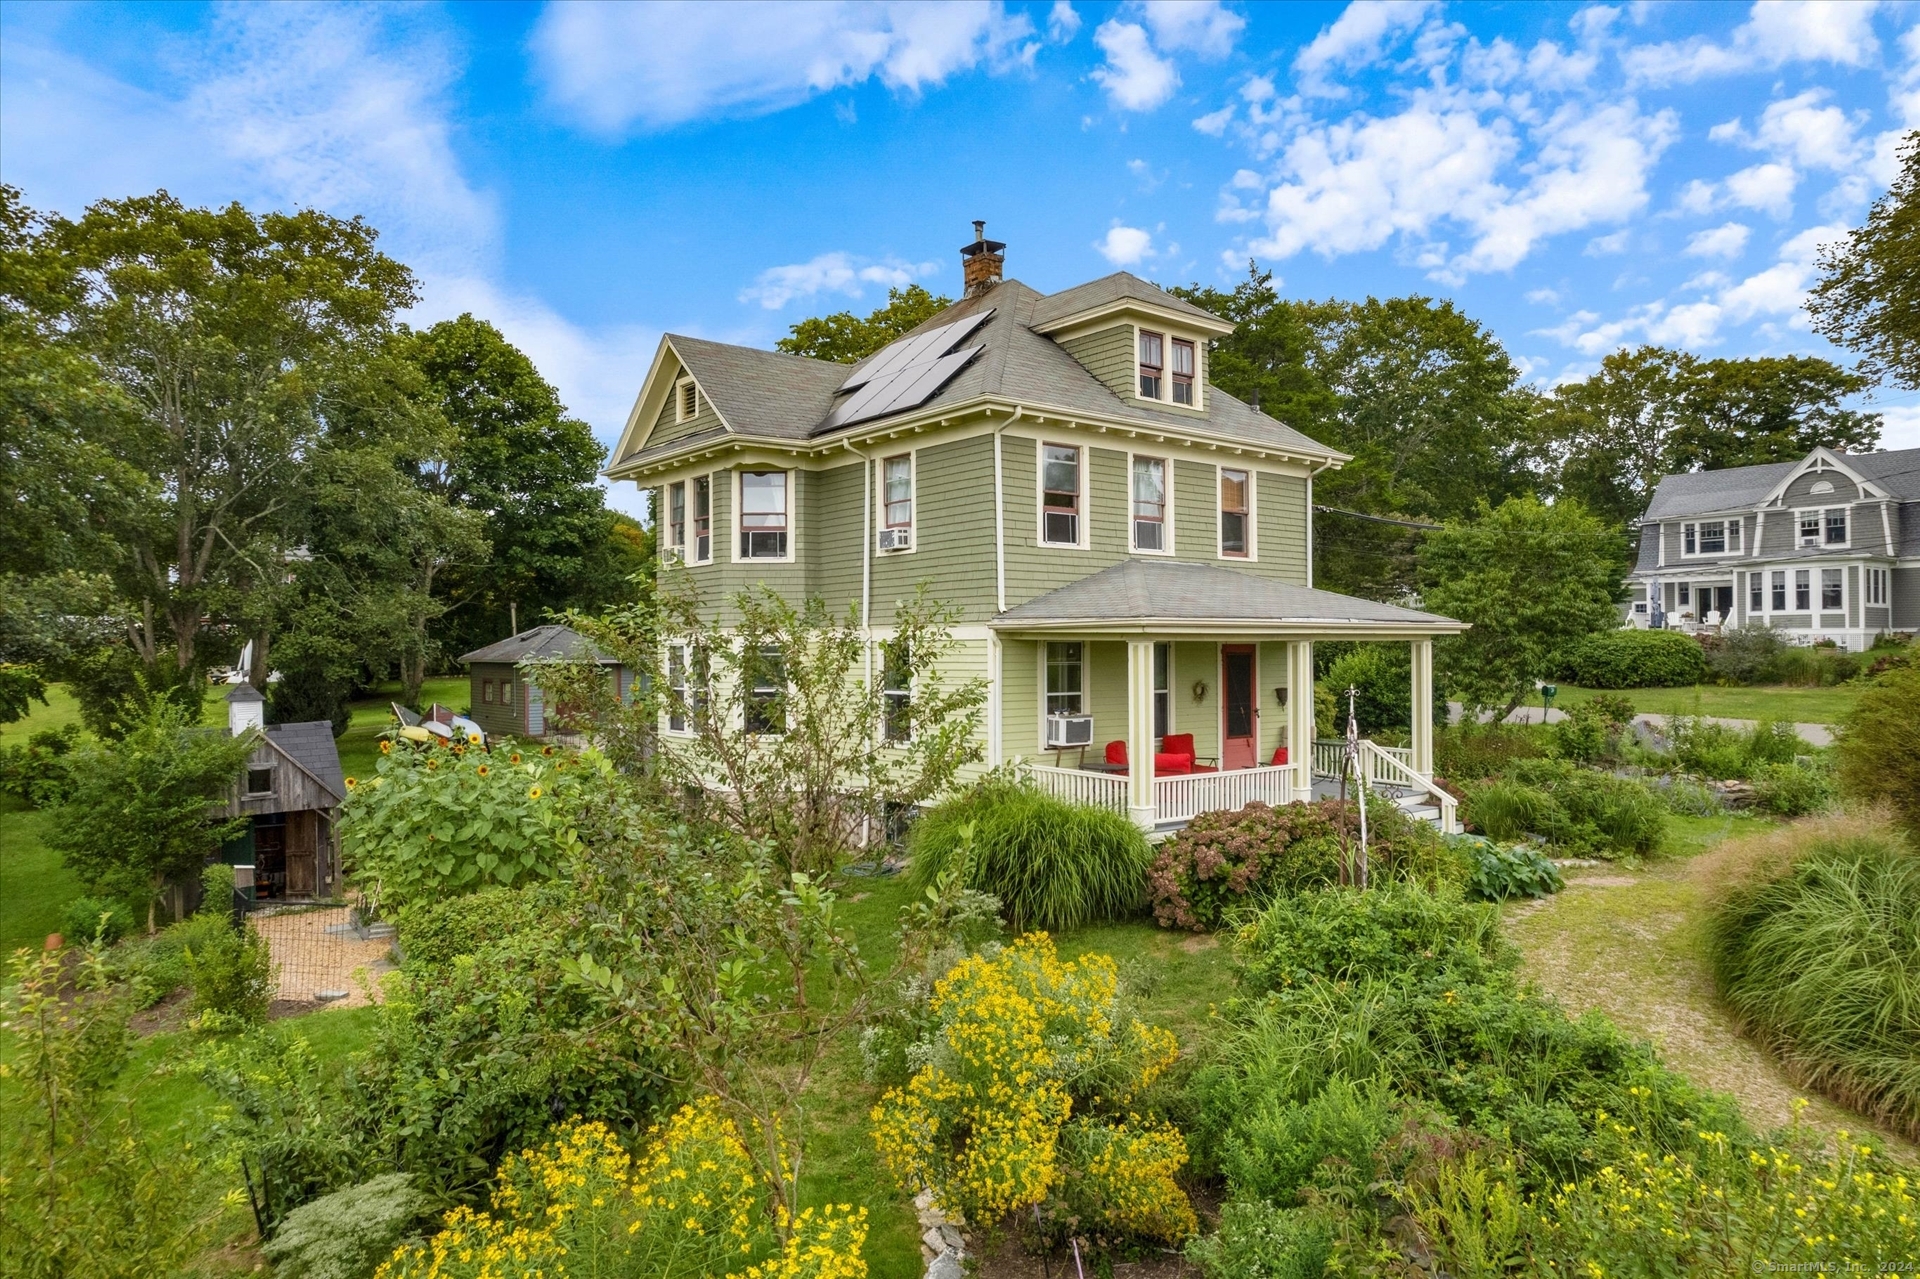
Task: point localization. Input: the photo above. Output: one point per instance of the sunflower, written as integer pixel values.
(351, 783)
(473, 739)
(458, 749)
(546, 750)
(534, 792)
(433, 763)
(514, 758)
(386, 748)
(483, 770)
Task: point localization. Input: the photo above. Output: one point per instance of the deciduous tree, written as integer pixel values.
(845, 338)
(1868, 298)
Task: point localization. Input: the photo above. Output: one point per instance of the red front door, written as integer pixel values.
(1239, 707)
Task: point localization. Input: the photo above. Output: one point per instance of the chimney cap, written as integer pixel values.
(245, 692)
(981, 244)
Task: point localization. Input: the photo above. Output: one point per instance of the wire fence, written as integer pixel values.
(323, 956)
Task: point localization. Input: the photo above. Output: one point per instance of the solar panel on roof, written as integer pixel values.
(907, 373)
(921, 348)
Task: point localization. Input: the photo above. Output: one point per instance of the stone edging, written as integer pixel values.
(942, 1245)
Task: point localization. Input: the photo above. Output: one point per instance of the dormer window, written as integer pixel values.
(1183, 367)
(1837, 528)
(1153, 361)
(686, 400)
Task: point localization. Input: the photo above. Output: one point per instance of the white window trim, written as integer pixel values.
(692, 540)
(1085, 525)
(670, 549)
(880, 500)
(1166, 522)
(1845, 595)
(1800, 512)
(880, 643)
(1086, 686)
(1167, 335)
(1730, 522)
(1866, 587)
(793, 515)
(686, 674)
(1253, 516)
(680, 415)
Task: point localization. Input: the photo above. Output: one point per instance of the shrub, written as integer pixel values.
(216, 889)
(346, 1234)
(1570, 807)
(1687, 796)
(1791, 790)
(1592, 729)
(1745, 654)
(1346, 935)
(231, 971)
(1508, 810)
(438, 932)
(1878, 751)
(1118, 1181)
(89, 918)
(1224, 859)
(281, 1120)
(1471, 752)
(155, 966)
(1503, 871)
(1052, 864)
(39, 770)
(1822, 961)
(1020, 1041)
(1630, 658)
(1383, 676)
(1258, 1241)
(1327, 1142)
(1728, 750)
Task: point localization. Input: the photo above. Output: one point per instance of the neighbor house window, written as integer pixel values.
(1713, 538)
(1065, 678)
(1756, 591)
(486, 691)
(1830, 588)
(260, 781)
(896, 490)
(1802, 589)
(1810, 529)
(1876, 586)
(677, 519)
(1060, 495)
(1836, 528)
(1233, 512)
(1162, 690)
(763, 515)
(1733, 535)
(506, 692)
(766, 678)
(702, 519)
(896, 689)
(1153, 361)
(1779, 591)
(1149, 504)
(689, 400)
(1689, 543)
(1182, 372)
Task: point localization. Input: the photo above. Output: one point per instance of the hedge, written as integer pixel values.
(1635, 659)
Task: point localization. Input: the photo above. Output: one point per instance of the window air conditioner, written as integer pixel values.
(896, 539)
(1065, 731)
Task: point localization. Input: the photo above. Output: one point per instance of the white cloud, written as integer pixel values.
(1727, 241)
(1801, 130)
(1696, 197)
(656, 65)
(1062, 22)
(1357, 38)
(1899, 425)
(1775, 32)
(1134, 76)
(1543, 297)
(836, 272)
(1125, 245)
(1193, 26)
(1781, 289)
(1766, 187)
(1607, 245)
(1214, 123)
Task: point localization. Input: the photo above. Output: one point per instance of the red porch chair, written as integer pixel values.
(1182, 744)
(1164, 763)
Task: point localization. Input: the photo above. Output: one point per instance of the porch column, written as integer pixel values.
(1300, 717)
(1423, 707)
(1140, 732)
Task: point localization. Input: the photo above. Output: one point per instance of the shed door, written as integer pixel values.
(302, 854)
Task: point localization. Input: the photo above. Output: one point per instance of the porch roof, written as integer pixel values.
(1155, 596)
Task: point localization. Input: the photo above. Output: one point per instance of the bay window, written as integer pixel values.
(1060, 495)
(1183, 367)
(896, 491)
(1234, 512)
(1149, 504)
(1153, 362)
(1876, 586)
(763, 515)
(766, 680)
(1779, 591)
(1755, 592)
(1802, 589)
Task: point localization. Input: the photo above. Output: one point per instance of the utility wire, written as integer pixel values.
(1377, 519)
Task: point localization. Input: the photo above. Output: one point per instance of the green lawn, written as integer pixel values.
(360, 744)
(1799, 705)
(34, 887)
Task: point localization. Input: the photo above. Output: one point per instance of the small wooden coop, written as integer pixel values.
(505, 702)
(291, 793)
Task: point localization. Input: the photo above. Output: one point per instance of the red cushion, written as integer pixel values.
(1165, 762)
(1117, 752)
(1279, 754)
(1178, 744)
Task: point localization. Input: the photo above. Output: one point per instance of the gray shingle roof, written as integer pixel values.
(759, 392)
(1704, 492)
(550, 643)
(1120, 286)
(311, 745)
(1649, 548)
(1154, 590)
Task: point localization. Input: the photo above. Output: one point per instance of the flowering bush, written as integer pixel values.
(1019, 1039)
(439, 819)
(1120, 1180)
(690, 1205)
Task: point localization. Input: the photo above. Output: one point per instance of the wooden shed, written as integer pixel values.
(506, 703)
(291, 792)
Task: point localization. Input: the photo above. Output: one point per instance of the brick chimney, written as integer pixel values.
(980, 262)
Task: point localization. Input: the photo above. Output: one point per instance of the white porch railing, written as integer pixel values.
(1186, 795)
(1328, 753)
(1082, 786)
(1380, 768)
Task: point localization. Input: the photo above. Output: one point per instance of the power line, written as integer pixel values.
(1377, 519)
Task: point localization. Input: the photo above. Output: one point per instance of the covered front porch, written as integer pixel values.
(1164, 689)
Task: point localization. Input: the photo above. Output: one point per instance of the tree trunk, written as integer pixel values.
(153, 907)
(257, 674)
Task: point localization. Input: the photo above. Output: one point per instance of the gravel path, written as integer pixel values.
(318, 958)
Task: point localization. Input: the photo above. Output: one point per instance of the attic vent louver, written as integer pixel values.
(907, 373)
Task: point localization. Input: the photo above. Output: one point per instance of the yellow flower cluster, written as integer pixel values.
(1125, 1179)
(692, 1204)
(980, 1124)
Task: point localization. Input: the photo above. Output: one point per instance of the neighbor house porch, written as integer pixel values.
(1164, 689)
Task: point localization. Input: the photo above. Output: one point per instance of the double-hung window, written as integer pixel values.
(1779, 588)
(763, 515)
(1183, 367)
(766, 680)
(1066, 670)
(1689, 539)
(1162, 690)
(1153, 364)
(1235, 514)
(702, 519)
(1149, 504)
(486, 691)
(1713, 538)
(1059, 495)
(679, 708)
(896, 490)
(896, 690)
(506, 692)
(1836, 524)
(677, 519)
(1831, 595)
(1810, 529)
(1802, 589)
(1756, 592)
(1876, 586)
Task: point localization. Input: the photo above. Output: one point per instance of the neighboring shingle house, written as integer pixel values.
(1824, 548)
(508, 704)
(291, 795)
(1129, 547)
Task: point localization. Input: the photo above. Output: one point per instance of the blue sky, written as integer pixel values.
(1578, 177)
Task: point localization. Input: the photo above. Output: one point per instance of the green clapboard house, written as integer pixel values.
(1130, 547)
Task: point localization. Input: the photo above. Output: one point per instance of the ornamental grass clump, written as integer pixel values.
(1052, 864)
(690, 1204)
(1021, 1044)
(1819, 957)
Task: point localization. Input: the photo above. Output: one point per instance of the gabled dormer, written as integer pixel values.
(1144, 344)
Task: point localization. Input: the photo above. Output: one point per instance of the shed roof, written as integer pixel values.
(311, 746)
(552, 642)
(1144, 595)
